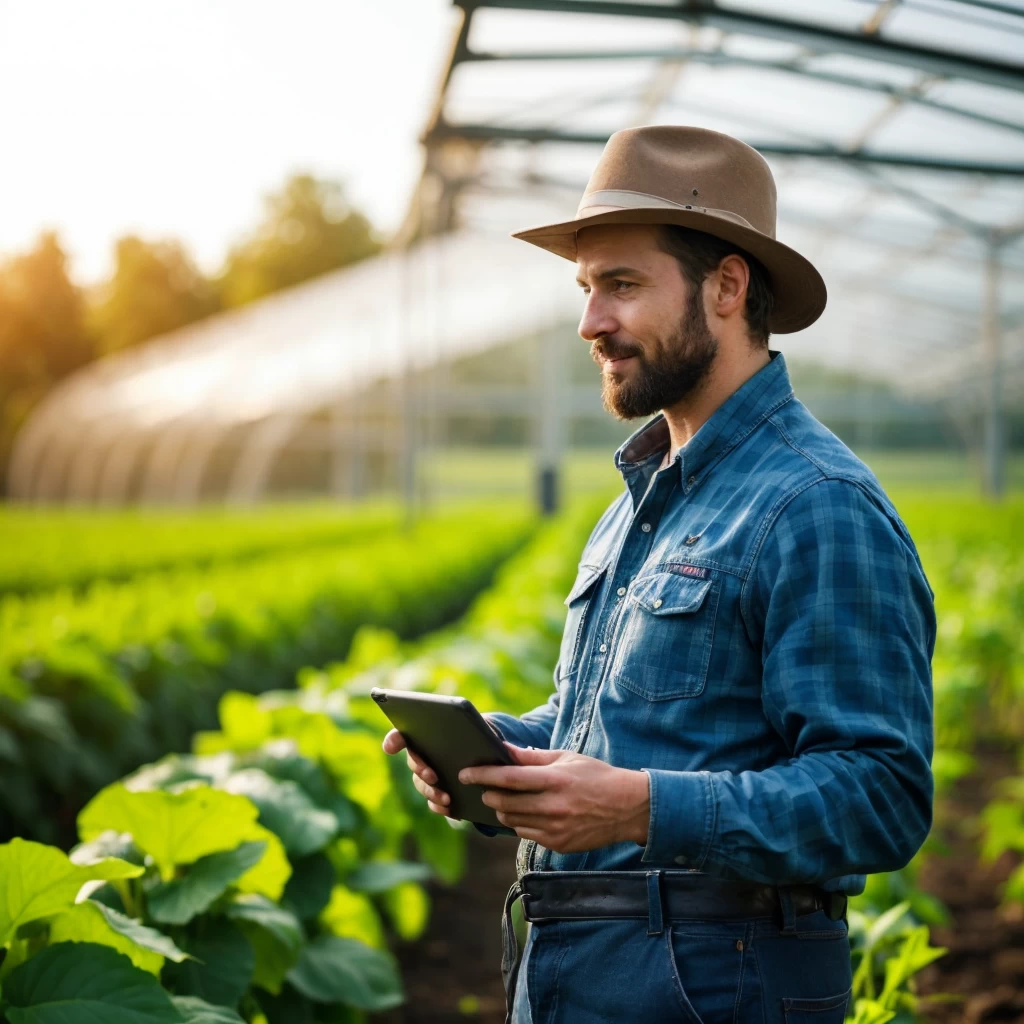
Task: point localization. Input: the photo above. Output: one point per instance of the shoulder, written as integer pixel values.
(831, 498)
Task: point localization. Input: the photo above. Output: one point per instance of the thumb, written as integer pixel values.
(533, 755)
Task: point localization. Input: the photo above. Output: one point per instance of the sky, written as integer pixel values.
(172, 118)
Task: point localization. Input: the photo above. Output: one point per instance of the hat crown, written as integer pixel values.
(690, 167)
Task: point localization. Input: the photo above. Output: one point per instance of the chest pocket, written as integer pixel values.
(577, 603)
(665, 646)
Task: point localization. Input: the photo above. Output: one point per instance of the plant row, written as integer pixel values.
(43, 550)
(91, 686)
(262, 879)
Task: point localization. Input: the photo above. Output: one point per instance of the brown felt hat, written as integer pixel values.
(672, 174)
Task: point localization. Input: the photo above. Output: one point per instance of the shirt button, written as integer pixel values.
(691, 481)
(621, 591)
(679, 860)
(603, 648)
(657, 604)
(646, 527)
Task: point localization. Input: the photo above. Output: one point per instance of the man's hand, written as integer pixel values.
(424, 778)
(567, 802)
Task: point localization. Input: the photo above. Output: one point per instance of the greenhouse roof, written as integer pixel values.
(895, 131)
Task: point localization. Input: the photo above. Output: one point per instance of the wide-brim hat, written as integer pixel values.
(674, 174)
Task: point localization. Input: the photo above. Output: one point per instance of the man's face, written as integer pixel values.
(647, 332)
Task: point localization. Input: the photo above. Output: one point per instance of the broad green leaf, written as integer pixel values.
(78, 982)
(286, 809)
(870, 1012)
(360, 765)
(408, 906)
(173, 828)
(441, 846)
(198, 1011)
(107, 844)
(309, 888)
(884, 922)
(243, 720)
(178, 901)
(353, 915)
(222, 968)
(274, 959)
(281, 761)
(332, 969)
(258, 910)
(269, 876)
(378, 876)
(286, 1008)
(90, 921)
(37, 881)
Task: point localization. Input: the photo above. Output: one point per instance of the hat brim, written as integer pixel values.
(798, 288)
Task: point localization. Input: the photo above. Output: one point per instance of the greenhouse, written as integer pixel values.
(896, 135)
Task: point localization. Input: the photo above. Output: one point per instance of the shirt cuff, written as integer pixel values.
(682, 818)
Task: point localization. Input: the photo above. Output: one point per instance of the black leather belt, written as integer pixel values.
(654, 895)
(554, 895)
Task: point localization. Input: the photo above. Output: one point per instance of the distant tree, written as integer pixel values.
(43, 333)
(308, 228)
(155, 288)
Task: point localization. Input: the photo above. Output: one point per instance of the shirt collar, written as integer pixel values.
(748, 406)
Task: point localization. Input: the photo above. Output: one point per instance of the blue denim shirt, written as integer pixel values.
(751, 626)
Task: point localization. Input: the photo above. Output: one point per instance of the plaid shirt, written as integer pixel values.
(751, 626)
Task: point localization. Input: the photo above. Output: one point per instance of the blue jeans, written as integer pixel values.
(693, 972)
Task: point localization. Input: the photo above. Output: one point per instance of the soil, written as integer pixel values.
(453, 973)
(984, 967)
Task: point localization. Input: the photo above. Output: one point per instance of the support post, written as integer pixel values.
(550, 363)
(994, 441)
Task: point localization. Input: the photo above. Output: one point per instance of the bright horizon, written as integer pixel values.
(172, 120)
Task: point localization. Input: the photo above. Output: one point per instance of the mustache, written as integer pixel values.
(608, 349)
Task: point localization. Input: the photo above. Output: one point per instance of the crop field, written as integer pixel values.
(199, 824)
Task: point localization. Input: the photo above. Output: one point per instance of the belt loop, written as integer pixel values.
(788, 910)
(655, 925)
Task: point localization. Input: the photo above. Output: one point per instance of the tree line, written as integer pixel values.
(50, 326)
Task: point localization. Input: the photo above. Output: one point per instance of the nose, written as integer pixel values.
(597, 319)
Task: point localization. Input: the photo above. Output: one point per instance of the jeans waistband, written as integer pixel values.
(655, 895)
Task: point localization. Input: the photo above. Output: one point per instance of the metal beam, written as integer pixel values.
(719, 58)
(495, 133)
(819, 38)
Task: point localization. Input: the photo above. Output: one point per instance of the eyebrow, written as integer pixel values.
(606, 275)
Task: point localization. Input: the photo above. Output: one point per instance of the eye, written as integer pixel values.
(625, 284)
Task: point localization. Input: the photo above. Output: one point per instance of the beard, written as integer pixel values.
(678, 366)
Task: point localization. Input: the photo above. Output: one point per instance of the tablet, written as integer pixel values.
(449, 734)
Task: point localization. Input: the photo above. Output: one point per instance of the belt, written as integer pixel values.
(654, 895)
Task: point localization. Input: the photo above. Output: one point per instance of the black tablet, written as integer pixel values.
(449, 734)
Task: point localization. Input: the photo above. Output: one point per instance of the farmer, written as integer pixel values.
(742, 722)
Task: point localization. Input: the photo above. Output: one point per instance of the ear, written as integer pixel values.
(729, 286)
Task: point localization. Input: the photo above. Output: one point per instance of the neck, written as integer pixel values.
(728, 373)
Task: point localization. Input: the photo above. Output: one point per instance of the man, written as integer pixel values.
(742, 724)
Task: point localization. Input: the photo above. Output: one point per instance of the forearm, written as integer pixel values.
(815, 817)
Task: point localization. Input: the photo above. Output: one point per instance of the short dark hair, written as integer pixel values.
(699, 253)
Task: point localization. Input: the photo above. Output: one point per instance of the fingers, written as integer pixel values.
(528, 778)
(393, 742)
(433, 794)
